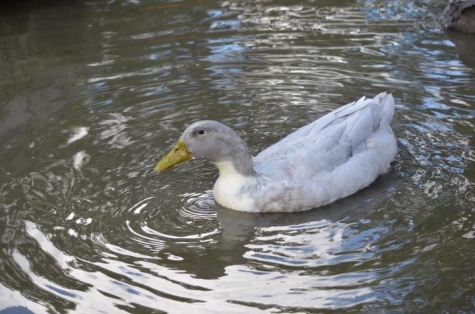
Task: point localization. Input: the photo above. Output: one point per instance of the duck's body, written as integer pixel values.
(333, 157)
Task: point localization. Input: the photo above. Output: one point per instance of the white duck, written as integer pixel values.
(331, 158)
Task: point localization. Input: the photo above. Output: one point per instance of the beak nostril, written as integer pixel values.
(175, 156)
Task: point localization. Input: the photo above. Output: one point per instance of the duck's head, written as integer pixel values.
(210, 140)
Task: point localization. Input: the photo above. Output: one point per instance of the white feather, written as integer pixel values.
(333, 157)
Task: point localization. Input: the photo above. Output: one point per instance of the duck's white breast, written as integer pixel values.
(232, 189)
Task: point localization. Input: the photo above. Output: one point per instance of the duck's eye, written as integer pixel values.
(201, 132)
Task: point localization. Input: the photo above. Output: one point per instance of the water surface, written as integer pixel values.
(93, 93)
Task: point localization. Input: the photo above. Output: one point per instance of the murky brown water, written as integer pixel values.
(93, 93)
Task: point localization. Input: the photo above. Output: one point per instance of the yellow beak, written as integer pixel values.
(177, 155)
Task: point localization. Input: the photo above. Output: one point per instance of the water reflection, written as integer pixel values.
(95, 92)
(465, 46)
(34, 84)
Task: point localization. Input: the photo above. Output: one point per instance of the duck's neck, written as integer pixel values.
(238, 162)
(237, 178)
(234, 184)
(229, 169)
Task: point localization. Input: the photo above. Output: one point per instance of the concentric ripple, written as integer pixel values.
(147, 231)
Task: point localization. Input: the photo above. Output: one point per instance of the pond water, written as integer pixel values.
(94, 92)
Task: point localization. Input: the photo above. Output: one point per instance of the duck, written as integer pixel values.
(459, 15)
(333, 157)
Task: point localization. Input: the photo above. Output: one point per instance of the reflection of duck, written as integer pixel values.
(459, 15)
(239, 230)
(333, 157)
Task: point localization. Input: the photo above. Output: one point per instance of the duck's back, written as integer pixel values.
(344, 150)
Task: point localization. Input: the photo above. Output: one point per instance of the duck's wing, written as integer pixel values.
(327, 142)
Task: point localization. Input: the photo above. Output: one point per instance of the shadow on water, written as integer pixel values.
(465, 46)
(47, 45)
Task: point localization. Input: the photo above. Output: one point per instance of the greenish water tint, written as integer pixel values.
(93, 93)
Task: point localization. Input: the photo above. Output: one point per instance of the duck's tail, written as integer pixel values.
(385, 103)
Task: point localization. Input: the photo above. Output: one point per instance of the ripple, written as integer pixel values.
(143, 230)
(198, 205)
(321, 243)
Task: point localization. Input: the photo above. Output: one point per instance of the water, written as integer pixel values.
(93, 93)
